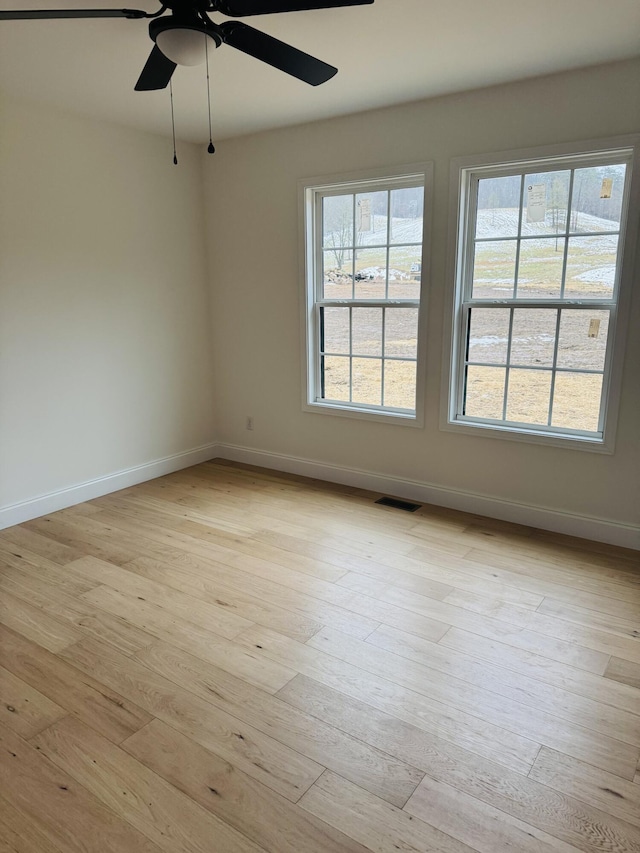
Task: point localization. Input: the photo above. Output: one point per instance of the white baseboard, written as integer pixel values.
(586, 527)
(45, 504)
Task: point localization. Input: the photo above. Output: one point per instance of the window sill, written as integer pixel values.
(375, 415)
(567, 441)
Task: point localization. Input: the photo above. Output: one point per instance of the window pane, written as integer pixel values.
(407, 212)
(576, 401)
(336, 378)
(533, 336)
(400, 384)
(337, 281)
(366, 331)
(367, 381)
(337, 221)
(335, 329)
(498, 206)
(484, 392)
(405, 272)
(371, 270)
(596, 203)
(401, 332)
(545, 201)
(371, 218)
(494, 269)
(583, 339)
(528, 396)
(540, 268)
(489, 335)
(591, 267)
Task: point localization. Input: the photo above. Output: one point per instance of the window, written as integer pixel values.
(364, 277)
(539, 260)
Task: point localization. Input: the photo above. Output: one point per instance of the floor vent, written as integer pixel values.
(407, 506)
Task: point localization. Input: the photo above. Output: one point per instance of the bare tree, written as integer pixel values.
(338, 226)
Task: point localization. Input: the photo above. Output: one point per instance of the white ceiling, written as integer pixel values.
(393, 51)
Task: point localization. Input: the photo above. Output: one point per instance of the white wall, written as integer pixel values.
(105, 357)
(252, 237)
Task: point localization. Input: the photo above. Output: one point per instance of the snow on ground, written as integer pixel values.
(381, 272)
(601, 275)
(402, 231)
(503, 222)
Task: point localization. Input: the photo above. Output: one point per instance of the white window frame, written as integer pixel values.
(310, 191)
(463, 170)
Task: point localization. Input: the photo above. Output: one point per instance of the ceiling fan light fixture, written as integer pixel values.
(183, 45)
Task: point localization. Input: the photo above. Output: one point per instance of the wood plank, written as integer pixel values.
(365, 585)
(20, 537)
(209, 616)
(456, 726)
(227, 595)
(23, 709)
(103, 709)
(164, 814)
(41, 569)
(512, 716)
(264, 555)
(76, 531)
(577, 550)
(112, 544)
(260, 756)
(69, 816)
(625, 672)
(372, 610)
(543, 669)
(598, 716)
(406, 589)
(427, 574)
(494, 785)
(229, 656)
(543, 646)
(554, 579)
(34, 624)
(591, 618)
(564, 552)
(266, 818)
(624, 603)
(379, 773)
(371, 821)
(80, 614)
(588, 784)
(583, 632)
(20, 834)
(469, 819)
(282, 596)
(521, 660)
(331, 550)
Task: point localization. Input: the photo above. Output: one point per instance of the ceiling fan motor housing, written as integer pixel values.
(181, 37)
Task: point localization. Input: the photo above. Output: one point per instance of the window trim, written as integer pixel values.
(504, 163)
(308, 230)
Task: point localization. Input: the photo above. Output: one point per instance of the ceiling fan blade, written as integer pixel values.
(156, 73)
(39, 14)
(276, 53)
(242, 8)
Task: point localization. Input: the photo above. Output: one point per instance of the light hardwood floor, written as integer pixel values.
(228, 660)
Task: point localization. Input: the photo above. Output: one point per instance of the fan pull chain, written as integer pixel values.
(173, 126)
(210, 147)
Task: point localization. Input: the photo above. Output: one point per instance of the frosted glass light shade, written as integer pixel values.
(183, 46)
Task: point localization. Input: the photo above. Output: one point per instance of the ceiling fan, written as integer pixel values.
(178, 35)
